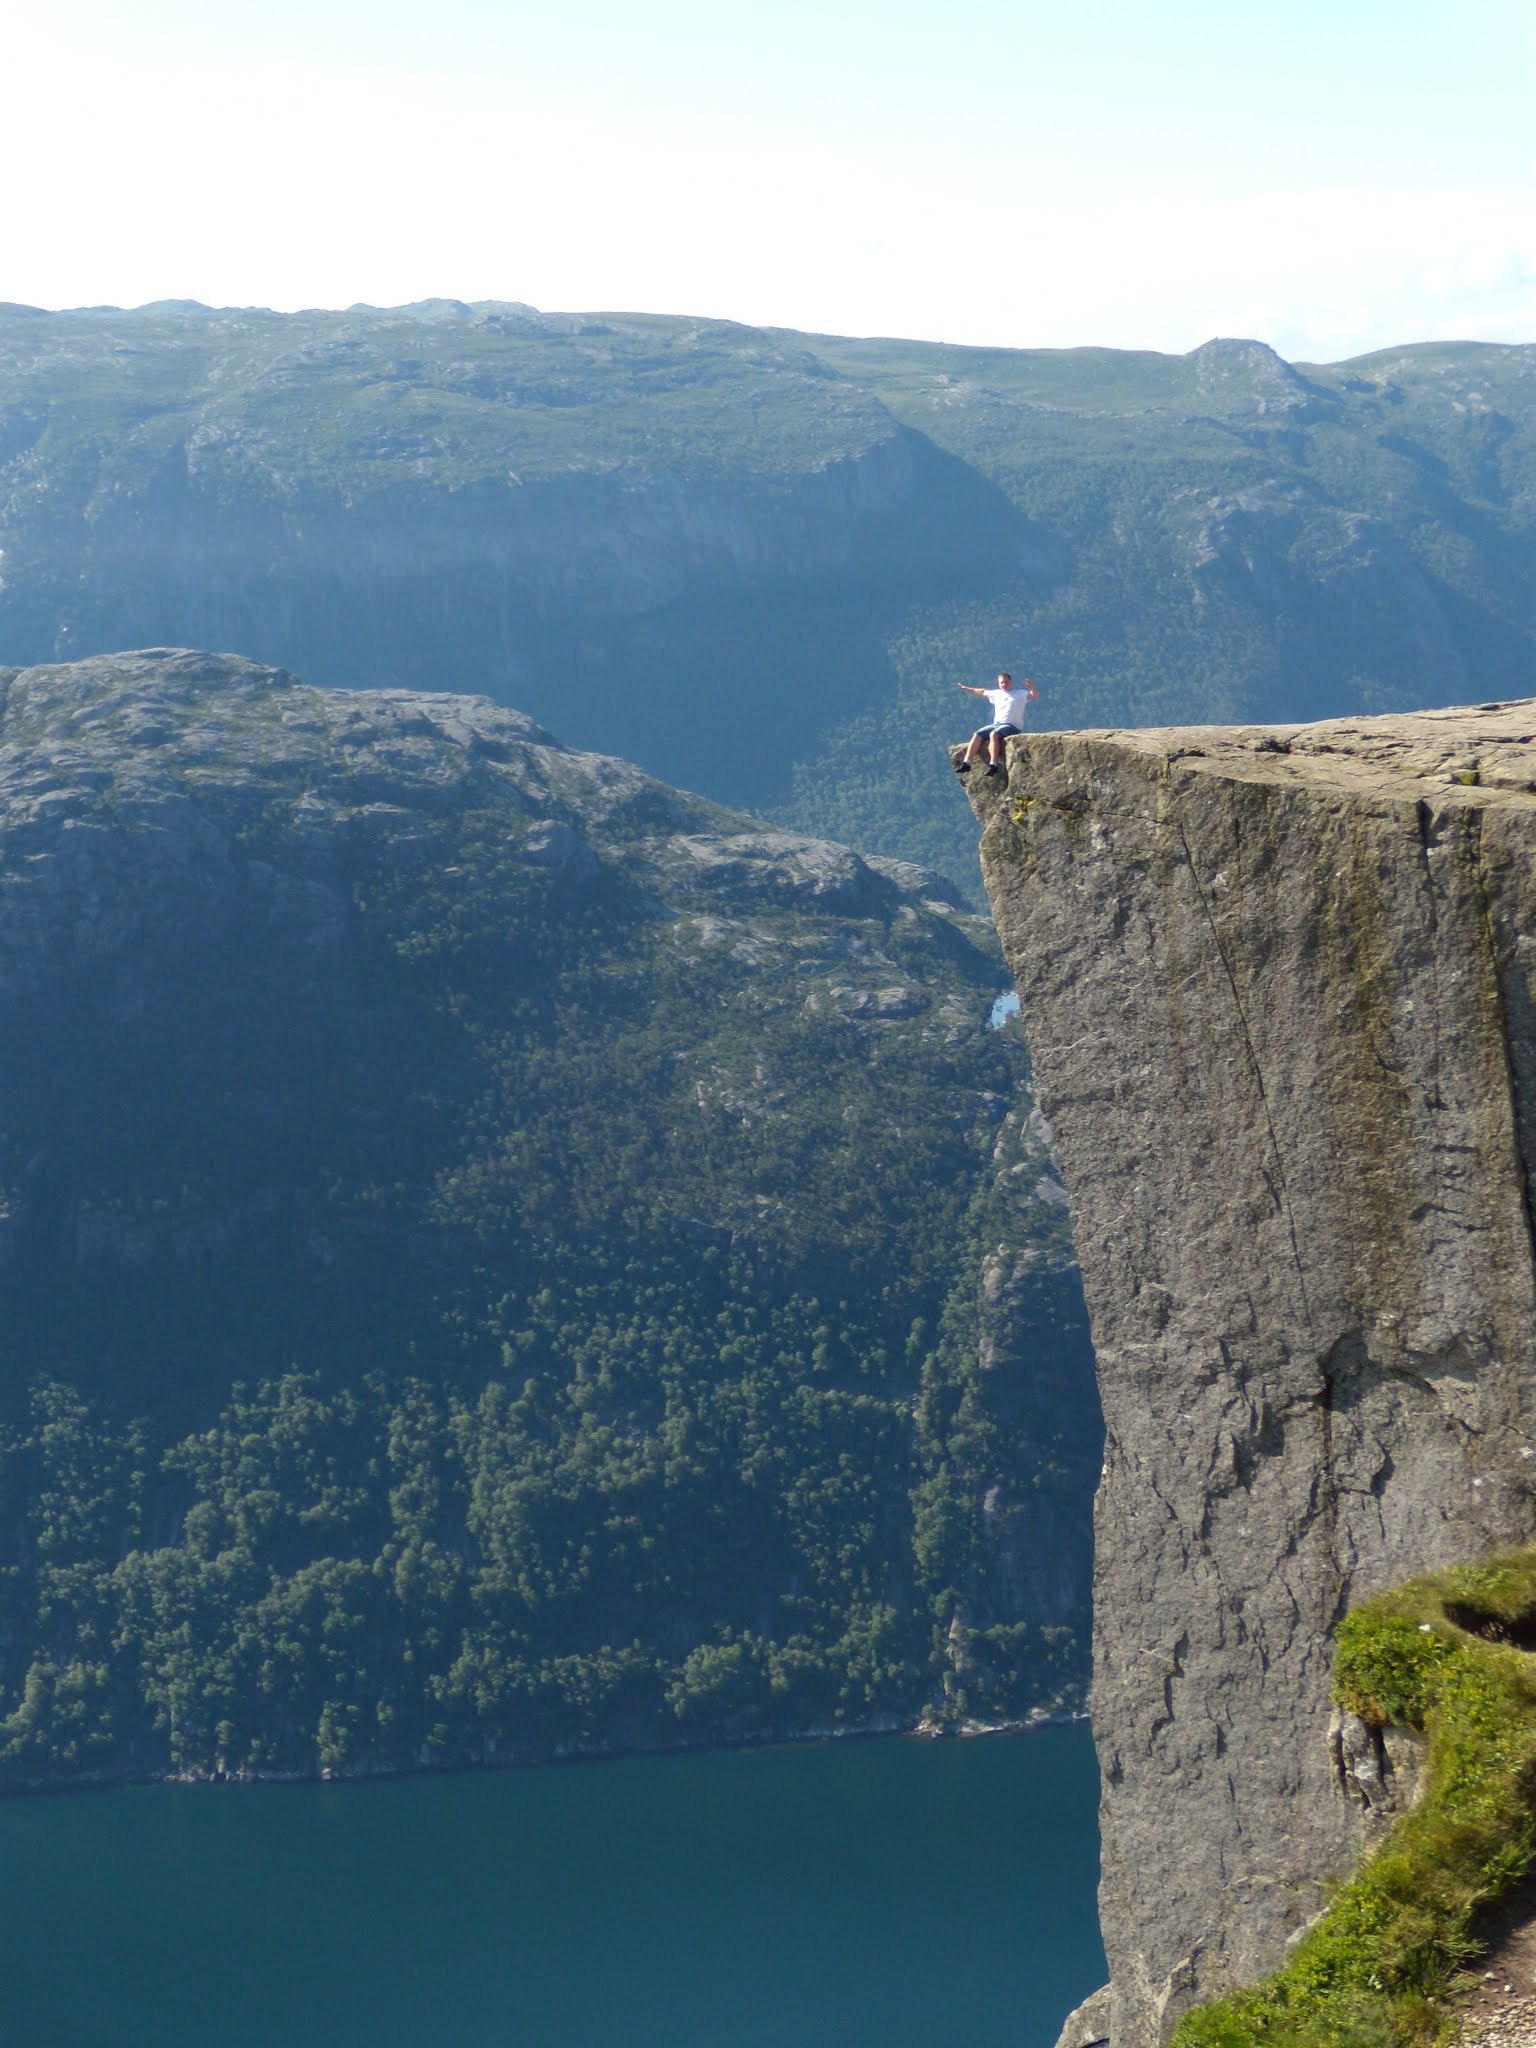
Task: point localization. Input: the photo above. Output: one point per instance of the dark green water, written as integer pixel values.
(854, 1895)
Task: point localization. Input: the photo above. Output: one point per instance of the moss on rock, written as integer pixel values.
(1452, 1655)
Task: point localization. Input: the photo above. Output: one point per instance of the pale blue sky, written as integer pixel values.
(1331, 178)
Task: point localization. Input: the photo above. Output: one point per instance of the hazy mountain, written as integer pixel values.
(757, 562)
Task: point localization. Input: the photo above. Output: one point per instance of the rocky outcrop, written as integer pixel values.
(1280, 991)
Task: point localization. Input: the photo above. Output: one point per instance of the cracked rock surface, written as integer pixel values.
(1279, 986)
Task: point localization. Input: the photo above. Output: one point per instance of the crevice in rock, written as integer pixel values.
(1424, 818)
(1501, 1008)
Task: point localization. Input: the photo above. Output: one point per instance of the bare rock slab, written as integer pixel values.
(1279, 986)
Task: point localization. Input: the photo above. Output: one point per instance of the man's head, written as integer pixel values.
(1005, 681)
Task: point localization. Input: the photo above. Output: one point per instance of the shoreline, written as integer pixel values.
(881, 1729)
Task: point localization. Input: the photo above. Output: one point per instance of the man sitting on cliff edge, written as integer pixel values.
(1008, 707)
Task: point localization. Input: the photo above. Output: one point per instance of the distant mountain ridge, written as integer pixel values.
(757, 561)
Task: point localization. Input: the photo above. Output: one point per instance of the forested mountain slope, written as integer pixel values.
(757, 561)
(497, 1256)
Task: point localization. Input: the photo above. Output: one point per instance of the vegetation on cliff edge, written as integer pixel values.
(1443, 1655)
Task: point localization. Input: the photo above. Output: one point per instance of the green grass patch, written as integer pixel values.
(1452, 1656)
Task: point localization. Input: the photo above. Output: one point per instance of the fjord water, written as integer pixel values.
(840, 1895)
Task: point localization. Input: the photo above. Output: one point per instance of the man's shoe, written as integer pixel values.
(991, 768)
(962, 767)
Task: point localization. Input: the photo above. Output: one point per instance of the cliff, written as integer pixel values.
(1278, 989)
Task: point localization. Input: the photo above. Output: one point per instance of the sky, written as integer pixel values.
(1329, 178)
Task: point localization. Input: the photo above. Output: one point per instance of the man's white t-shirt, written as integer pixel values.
(1007, 706)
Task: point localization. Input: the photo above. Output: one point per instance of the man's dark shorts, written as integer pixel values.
(985, 732)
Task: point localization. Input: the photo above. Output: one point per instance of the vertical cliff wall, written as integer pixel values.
(1280, 990)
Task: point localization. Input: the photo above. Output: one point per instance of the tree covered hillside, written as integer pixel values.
(497, 1256)
(757, 561)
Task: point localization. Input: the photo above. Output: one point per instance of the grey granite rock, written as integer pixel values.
(1280, 990)
(1087, 2025)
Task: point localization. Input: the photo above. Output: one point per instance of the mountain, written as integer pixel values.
(498, 1257)
(757, 561)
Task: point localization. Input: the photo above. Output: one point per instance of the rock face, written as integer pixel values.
(1280, 990)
